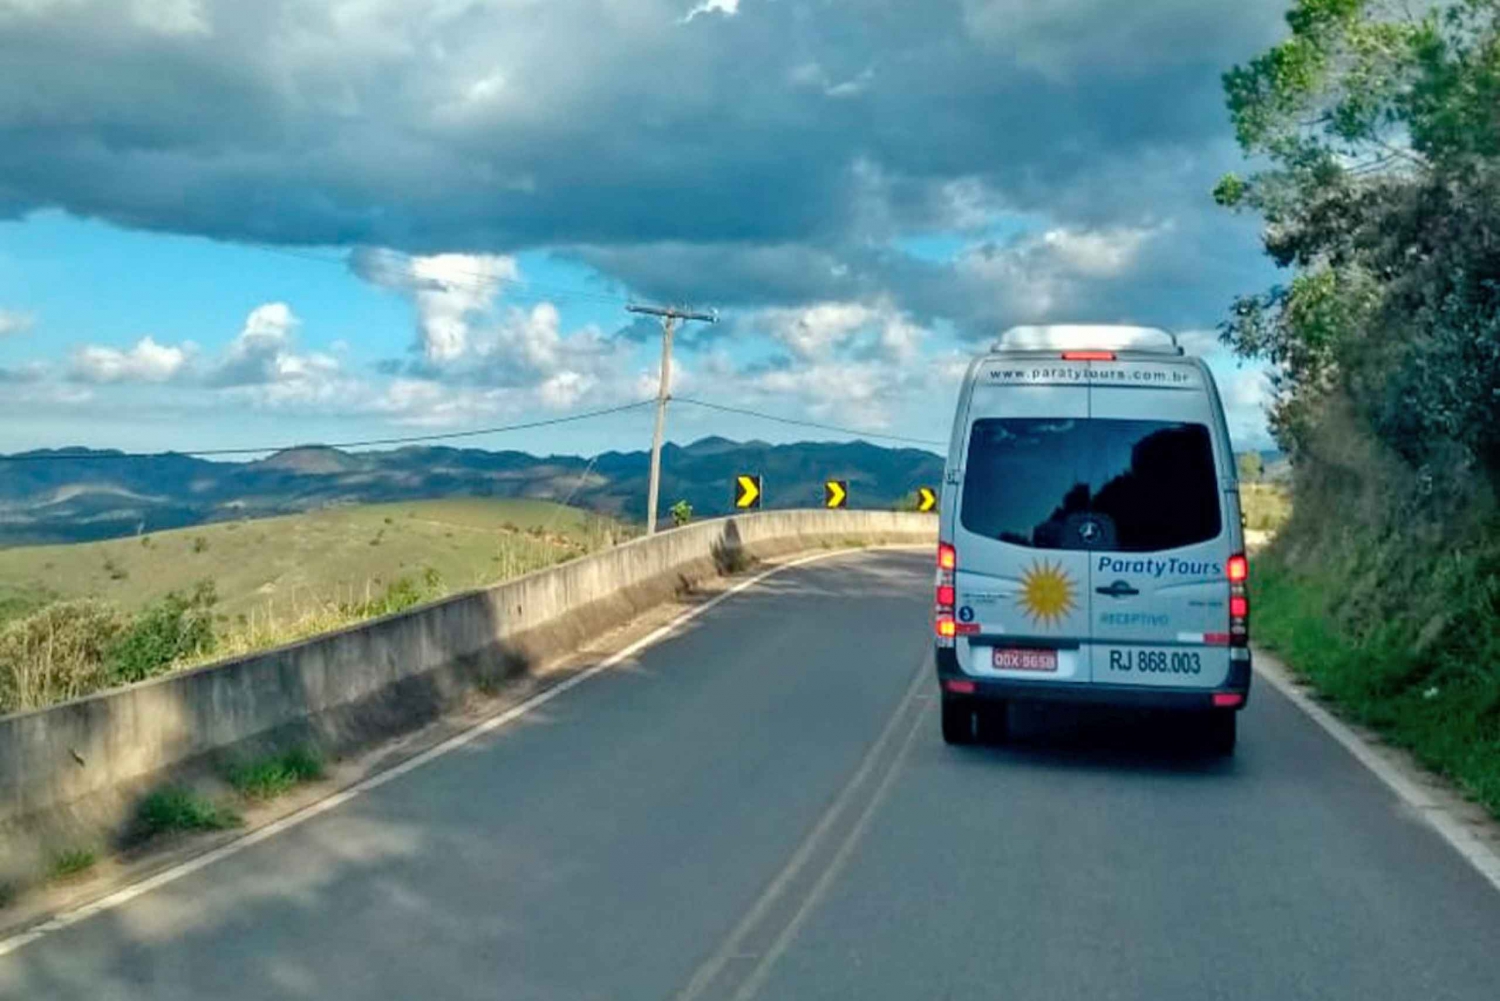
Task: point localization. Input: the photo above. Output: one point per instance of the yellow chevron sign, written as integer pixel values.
(927, 499)
(836, 494)
(747, 493)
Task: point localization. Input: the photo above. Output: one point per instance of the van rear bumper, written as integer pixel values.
(1089, 693)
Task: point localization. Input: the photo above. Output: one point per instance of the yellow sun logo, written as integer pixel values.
(1046, 593)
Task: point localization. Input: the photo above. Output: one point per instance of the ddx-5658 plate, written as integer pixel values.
(1011, 659)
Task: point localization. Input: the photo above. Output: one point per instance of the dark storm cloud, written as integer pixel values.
(770, 155)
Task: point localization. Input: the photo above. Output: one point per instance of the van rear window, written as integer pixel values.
(1118, 485)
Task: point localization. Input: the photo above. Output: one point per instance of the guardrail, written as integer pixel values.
(75, 771)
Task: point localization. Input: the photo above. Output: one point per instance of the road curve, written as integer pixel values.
(761, 807)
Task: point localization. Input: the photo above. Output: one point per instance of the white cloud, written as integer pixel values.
(147, 361)
(854, 86)
(170, 17)
(27, 373)
(566, 388)
(901, 340)
(261, 364)
(1106, 254)
(12, 323)
(850, 394)
(262, 353)
(451, 292)
(728, 8)
(815, 331)
(1041, 276)
(1246, 392)
(466, 336)
(813, 75)
(826, 329)
(527, 349)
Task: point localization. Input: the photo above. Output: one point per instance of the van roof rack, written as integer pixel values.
(1076, 337)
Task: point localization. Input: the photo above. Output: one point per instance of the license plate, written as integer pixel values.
(1007, 659)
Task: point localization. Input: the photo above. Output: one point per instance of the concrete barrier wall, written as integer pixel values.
(73, 772)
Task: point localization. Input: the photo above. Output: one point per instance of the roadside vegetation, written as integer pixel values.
(1266, 506)
(269, 777)
(175, 810)
(1381, 199)
(79, 619)
(72, 862)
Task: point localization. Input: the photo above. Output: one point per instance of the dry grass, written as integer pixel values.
(57, 654)
(302, 560)
(1266, 506)
(76, 647)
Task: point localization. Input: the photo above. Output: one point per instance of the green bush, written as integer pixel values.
(178, 626)
(273, 776)
(1438, 695)
(72, 861)
(178, 809)
(399, 595)
(1383, 591)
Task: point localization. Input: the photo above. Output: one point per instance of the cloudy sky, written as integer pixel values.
(226, 223)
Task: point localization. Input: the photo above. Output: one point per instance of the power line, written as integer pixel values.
(808, 424)
(456, 435)
(366, 443)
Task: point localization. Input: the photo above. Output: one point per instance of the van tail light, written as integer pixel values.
(945, 624)
(1088, 356)
(1238, 572)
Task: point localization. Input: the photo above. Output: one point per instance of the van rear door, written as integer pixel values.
(1021, 584)
(1158, 571)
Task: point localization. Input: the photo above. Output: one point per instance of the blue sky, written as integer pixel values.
(329, 222)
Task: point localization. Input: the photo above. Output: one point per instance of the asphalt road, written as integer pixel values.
(762, 807)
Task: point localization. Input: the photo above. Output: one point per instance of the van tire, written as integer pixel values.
(1220, 732)
(958, 722)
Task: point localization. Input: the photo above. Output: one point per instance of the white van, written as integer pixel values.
(1091, 546)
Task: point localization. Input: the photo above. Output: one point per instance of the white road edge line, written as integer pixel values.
(126, 894)
(1450, 828)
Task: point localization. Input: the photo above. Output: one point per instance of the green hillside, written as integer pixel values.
(287, 564)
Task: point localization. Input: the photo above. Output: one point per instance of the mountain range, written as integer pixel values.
(79, 494)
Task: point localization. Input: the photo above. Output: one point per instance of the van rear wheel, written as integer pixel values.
(1220, 732)
(958, 721)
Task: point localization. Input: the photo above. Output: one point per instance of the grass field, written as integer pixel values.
(280, 566)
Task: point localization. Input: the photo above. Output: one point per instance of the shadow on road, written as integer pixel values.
(1053, 736)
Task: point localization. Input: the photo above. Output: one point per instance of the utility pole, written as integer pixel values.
(670, 316)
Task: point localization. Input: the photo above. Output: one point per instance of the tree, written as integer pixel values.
(682, 513)
(1251, 466)
(1380, 123)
